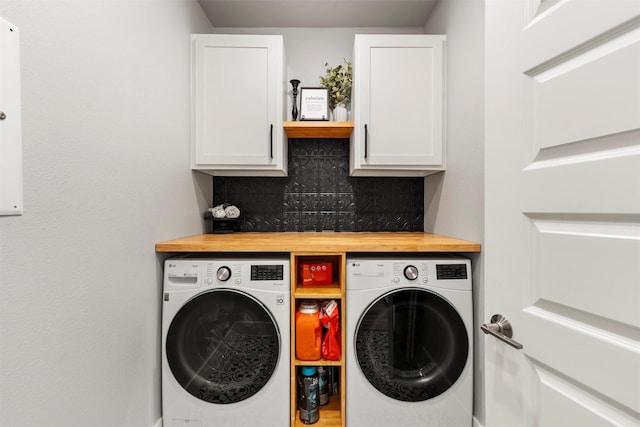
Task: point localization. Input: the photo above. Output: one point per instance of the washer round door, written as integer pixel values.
(411, 344)
(223, 346)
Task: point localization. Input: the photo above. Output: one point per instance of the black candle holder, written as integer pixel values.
(294, 111)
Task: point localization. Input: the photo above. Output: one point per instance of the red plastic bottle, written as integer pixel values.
(308, 331)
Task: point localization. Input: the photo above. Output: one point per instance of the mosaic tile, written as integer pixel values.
(309, 221)
(327, 202)
(292, 202)
(346, 221)
(327, 221)
(320, 195)
(308, 202)
(291, 221)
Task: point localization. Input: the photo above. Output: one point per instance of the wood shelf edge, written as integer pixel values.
(318, 291)
(302, 244)
(321, 129)
(321, 362)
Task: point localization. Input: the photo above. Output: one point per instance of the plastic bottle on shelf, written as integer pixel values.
(308, 331)
(308, 395)
(323, 385)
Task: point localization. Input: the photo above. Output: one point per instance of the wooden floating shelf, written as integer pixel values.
(318, 292)
(318, 129)
(321, 362)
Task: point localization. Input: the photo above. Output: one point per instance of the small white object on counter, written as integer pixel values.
(224, 211)
(232, 211)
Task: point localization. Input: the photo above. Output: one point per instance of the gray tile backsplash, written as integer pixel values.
(320, 195)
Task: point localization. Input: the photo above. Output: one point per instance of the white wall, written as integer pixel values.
(454, 200)
(308, 49)
(105, 98)
(106, 128)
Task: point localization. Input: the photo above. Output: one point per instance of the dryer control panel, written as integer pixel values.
(451, 271)
(367, 273)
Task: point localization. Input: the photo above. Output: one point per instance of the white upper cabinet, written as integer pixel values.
(398, 105)
(238, 105)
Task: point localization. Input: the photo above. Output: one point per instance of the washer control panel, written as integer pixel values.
(265, 274)
(417, 272)
(364, 273)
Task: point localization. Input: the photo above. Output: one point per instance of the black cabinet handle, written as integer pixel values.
(365, 141)
(271, 142)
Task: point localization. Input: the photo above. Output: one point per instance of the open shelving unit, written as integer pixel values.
(333, 414)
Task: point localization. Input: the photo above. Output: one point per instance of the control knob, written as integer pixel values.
(411, 272)
(223, 274)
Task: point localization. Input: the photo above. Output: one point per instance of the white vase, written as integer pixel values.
(340, 113)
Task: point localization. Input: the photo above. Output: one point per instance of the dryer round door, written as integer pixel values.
(411, 344)
(223, 346)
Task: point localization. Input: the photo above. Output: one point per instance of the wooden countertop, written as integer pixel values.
(318, 243)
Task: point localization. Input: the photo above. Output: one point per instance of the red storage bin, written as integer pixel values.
(316, 273)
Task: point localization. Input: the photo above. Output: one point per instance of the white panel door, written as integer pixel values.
(238, 102)
(563, 212)
(398, 102)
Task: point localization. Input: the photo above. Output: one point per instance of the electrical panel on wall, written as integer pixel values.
(10, 122)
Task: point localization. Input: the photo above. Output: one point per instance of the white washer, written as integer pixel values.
(225, 342)
(409, 342)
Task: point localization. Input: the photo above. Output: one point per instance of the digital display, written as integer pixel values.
(267, 272)
(451, 271)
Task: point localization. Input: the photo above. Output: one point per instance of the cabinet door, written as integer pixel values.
(398, 103)
(238, 104)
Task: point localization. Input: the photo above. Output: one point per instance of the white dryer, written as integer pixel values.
(226, 342)
(409, 342)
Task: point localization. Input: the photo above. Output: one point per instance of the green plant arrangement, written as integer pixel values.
(338, 80)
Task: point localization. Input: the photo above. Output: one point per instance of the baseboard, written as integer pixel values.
(476, 423)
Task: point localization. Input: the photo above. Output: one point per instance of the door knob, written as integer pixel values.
(501, 328)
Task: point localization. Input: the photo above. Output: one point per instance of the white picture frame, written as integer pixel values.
(314, 104)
